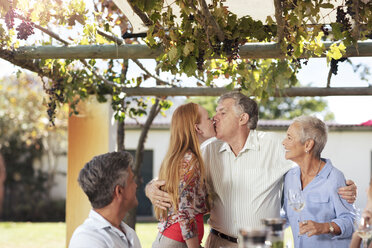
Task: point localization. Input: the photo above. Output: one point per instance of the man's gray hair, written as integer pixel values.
(100, 176)
(315, 129)
(243, 104)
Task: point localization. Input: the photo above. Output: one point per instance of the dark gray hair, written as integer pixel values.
(315, 129)
(100, 176)
(243, 104)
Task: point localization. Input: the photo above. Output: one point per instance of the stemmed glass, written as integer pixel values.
(296, 199)
(363, 228)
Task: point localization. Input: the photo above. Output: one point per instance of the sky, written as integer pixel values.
(347, 109)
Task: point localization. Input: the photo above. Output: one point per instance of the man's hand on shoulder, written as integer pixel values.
(349, 192)
(158, 197)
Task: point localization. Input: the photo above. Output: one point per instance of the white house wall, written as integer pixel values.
(157, 141)
(349, 151)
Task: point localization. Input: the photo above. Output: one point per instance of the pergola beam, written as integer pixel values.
(290, 92)
(138, 51)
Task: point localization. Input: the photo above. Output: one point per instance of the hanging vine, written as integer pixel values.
(212, 31)
(70, 81)
(203, 41)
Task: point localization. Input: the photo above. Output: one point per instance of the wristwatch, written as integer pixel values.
(331, 228)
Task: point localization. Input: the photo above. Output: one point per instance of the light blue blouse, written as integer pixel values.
(322, 204)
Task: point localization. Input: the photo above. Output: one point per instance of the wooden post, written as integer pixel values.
(88, 136)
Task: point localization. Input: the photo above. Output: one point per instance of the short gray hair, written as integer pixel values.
(315, 129)
(243, 104)
(100, 176)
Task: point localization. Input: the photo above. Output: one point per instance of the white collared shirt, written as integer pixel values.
(97, 232)
(248, 187)
(207, 142)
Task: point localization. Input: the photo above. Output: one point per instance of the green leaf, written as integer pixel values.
(173, 54)
(189, 66)
(188, 48)
(269, 20)
(336, 30)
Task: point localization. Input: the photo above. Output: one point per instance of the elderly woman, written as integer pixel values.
(326, 220)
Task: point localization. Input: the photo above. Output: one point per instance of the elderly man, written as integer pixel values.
(245, 170)
(109, 183)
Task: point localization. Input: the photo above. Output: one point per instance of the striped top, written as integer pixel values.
(248, 187)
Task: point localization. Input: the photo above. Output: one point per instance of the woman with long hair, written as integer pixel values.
(183, 171)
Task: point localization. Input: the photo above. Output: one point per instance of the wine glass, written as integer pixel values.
(363, 227)
(296, 199)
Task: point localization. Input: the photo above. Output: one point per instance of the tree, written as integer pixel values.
(289, 108)
(25, 135)
(277, 108)
(68, 81)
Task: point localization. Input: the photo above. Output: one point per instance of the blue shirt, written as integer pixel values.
(322, 204)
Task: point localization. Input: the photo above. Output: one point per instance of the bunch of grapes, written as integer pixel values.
(200, 60)
(290, 50)
(349, 10)
(55, 95)
(231, 48)
(334, 65)
(343, 19)
(25, 29)
(217, 48)
(9, 18)
(51, 110)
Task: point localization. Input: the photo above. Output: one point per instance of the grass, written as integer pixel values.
(52, 235)
(32, 235)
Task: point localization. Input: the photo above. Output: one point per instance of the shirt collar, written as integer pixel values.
(98, 221)
(324, 172)
(101, 223)
(206, 142)
(250, 144)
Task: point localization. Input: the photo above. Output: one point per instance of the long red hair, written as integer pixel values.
(183, 138)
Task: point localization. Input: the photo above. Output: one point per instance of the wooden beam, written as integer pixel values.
(290, 92)
(125, 51)
(138, 51)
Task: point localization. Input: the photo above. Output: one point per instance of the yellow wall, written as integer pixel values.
(88, 135)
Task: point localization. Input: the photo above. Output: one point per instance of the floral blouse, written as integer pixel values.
(192, 199)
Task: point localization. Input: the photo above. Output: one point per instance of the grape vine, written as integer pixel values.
(190, 44)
